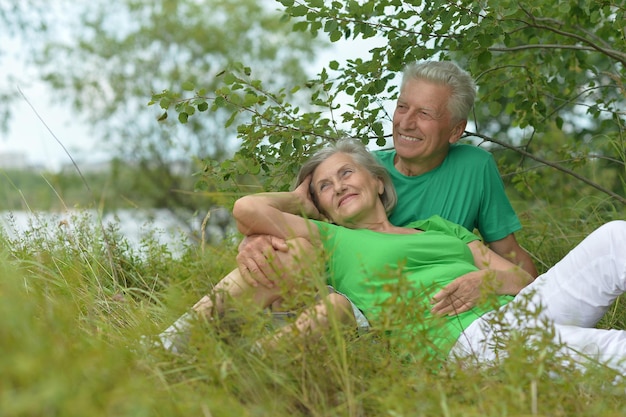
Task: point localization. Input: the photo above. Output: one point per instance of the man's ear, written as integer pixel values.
(457, 131)
(381, 187)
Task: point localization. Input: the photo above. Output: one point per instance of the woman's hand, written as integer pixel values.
(303, 193)
(257, 260)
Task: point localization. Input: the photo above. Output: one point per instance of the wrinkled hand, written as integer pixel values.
(256, 259)
(460, 295)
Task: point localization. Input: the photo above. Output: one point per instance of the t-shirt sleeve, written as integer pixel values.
(326, 231)
(442, 225)
(496, 218)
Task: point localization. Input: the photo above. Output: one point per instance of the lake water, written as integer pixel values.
(133, 225)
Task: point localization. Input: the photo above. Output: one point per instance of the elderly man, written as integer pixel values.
(435, 175)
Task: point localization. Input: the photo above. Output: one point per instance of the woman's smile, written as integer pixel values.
(346, 199)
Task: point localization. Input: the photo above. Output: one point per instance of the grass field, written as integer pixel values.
(76, 303)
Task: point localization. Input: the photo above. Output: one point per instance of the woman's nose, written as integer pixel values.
(339, 186)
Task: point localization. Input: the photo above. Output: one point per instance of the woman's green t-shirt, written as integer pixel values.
(391, 278)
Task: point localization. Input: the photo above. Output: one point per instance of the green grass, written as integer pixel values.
(75, 304)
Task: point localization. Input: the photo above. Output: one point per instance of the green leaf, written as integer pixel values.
(484, 58)
(231, 119)
(250, 99)
(559, 122)
(335, 36)
(298, 11)
(330, 26)
(229, 78)
(183, 117)
(301, 26)
(495, 108)
(188, 86)
(165, 103)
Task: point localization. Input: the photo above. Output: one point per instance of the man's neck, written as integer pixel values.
(413, 168)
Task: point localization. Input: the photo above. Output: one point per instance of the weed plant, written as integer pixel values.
(80, 307)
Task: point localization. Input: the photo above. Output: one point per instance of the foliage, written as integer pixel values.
(107, 57)
(543, 72)
(75, 343)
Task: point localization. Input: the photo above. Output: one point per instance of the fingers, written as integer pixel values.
(451, 300)
(279, 244)
(253, 261)
(451, 307)
(252, 273)
(445, 292)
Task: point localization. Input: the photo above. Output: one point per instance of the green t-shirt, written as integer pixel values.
(465, 189)
(379, 271)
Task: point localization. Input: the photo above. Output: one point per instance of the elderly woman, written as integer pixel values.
(368, 258)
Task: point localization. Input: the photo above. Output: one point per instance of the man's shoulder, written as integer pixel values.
(469, 157)
(382, 153)
(465, 150)
(385, 156)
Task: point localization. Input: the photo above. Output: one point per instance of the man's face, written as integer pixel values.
(423, 127)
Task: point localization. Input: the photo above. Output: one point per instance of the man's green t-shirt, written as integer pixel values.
(465, 189)
(380, 271)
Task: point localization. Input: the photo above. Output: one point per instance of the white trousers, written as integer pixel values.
(570, 299)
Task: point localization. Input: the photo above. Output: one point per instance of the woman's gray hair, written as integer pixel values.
(449, 74)
(362, 157)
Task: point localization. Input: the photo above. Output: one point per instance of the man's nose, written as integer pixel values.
(408, 121)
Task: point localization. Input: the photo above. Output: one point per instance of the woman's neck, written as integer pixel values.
(380, 226)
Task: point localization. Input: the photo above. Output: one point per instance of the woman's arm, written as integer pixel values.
(495, 275)
(278, 214)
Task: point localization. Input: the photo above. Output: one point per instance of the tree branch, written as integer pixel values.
(558, 167)
(542, 46)
(617, 55)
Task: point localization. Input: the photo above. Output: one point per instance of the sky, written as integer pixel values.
(48, 134)
(27, 134)
(37, 138)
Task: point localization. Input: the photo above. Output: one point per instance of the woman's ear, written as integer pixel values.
(381, 187)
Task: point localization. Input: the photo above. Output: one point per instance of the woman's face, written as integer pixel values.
(346, 192)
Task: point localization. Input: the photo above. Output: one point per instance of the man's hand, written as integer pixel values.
(256, 261)
(460, 295)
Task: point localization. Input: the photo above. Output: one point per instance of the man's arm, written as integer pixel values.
(495, 275)
(509, 249)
